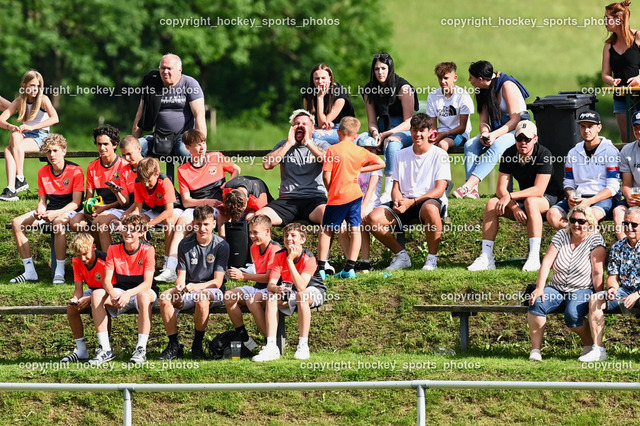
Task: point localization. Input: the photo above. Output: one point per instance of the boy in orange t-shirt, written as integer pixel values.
(342, 165)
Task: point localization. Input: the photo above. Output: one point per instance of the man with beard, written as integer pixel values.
(302, 192)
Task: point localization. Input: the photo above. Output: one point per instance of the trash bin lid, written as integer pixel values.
(562, 101)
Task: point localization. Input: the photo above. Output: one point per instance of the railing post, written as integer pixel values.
(127, 407)
(421, 405)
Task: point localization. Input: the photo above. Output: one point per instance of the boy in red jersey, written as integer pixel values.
(109, 167)
(60, 186)
(294, 281)
(253, 297)
(88, 267)
(342, 165)
(154, 198)
(132, 263)
(200, 181)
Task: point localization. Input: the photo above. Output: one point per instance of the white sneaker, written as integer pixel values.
(430, 264)
(586, 350)
(482, 263)
(532, 264)
(268, 353)
(535, 355)
(139, 355)
(102, 356)
(594, 355)
(399, 261)
(166, 276)
(302, 352)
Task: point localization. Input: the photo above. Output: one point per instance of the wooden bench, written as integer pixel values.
(281, 334)
(465, 311)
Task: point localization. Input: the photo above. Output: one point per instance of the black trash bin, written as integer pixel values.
(555, 116)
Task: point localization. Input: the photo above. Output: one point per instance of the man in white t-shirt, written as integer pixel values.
(450, 108)
(419, 182)
(630, 171)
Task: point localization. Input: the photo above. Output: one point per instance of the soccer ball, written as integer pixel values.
(89, 205)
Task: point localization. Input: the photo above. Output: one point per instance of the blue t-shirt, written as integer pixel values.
(175, 113)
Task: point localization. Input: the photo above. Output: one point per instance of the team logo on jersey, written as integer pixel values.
(140, 262)
(98, 276)
(116, 175)
(66, 182)
(213, 170)
(159, 196)
(210, 258)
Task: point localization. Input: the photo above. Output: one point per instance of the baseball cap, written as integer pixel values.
(366, 141)
(636, 118)
(589, 116)
(527, 128)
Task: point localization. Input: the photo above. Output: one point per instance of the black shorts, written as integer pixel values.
(412, 213)
(292, 209)
(552, 199)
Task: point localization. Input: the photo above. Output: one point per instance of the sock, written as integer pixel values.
(198, 338)
(600, 348)
(534, 247)
(351, 264)
(432, 257)
(29, 269)
(271, 341)
(322, 265)
(173, 340)
(20, 177)
(11, 188)
(487, 248)
(172, 263)
(103, 340)
(81, 346)
(303, 341)
(242, 332)
(59, 267)
(388, 184)
(142, 340)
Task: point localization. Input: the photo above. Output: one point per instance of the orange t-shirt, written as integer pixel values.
(344, 160)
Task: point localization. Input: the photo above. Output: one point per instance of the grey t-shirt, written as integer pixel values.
(200, 262)
(301, 172)
(175, 113)
(630, 161)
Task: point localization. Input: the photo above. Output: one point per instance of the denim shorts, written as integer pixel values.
(605, 205)
(36, 135)
(575, 303)
(622, 293)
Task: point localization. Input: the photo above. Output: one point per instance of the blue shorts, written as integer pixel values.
(36, 135)
(458, 139)
(334, 215)
(622, 293)
(576, 305)
(605, 206)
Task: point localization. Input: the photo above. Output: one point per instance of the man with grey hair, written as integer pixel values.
(623, 283)
(302, 192)
(171, 103)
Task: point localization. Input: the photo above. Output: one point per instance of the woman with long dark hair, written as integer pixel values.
(501, 106)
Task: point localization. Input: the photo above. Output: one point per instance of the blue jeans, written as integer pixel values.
(179, 149)
(576, 305)
(394, 145)
(329, 136)
(481, 165)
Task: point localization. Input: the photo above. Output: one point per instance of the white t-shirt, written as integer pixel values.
(630, 161)
(363, 181)
(449, 110)
(417, 174)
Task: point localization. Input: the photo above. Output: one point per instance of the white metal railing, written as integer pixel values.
(419, 385)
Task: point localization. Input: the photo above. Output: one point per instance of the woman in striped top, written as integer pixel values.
(576, 255)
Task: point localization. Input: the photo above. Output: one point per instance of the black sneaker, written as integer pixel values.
(9, 195)
(197, 352)
(171, 352)
(363, 267)
(21, 185)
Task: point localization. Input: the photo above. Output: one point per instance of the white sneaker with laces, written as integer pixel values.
(302, 352)
(535, 355)
(399, 261)
(430, 264)
(482, 263)
(102, 356)
(594, 355)
(139, 355)
(268, 353)
(586, 350)
(532, 264)
(166, 276)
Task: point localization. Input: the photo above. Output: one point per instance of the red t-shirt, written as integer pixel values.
(129, 268)
(205, 182)
(156, 199)
(306, 263)
(263, 261)
(93, 276)
(98, 174)
(59, 189)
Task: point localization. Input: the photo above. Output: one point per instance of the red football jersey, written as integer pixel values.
(59, 189)
(129, 268)
(156, 199)
(93, 276)
(98, 174)
(264, 261)
(205, 182)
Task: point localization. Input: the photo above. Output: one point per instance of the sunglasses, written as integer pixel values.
(381, 56)
(578, 221)
(632, 225)
(523, 138)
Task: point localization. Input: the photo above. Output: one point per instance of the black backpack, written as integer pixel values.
(220, 346)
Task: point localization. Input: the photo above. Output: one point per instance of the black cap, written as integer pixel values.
(589, 116)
